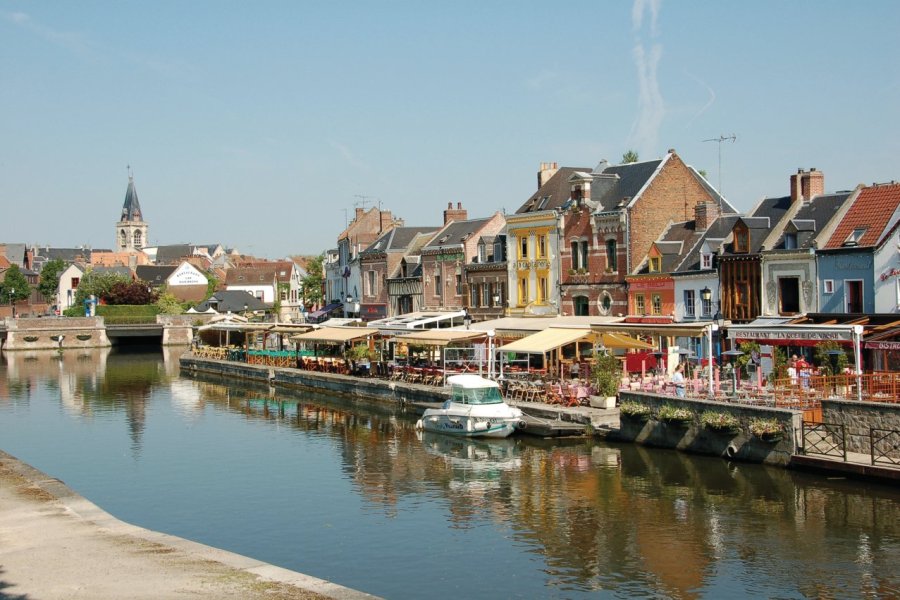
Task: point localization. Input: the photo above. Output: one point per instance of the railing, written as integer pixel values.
(809, 391)
(885, 446)
(824, 439)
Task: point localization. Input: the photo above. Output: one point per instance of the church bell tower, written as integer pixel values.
(131, 230)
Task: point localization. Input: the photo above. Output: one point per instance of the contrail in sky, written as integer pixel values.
(651, 107)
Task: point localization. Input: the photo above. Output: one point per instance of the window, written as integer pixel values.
(481, 253)
(473, 296)
(123, 239)
(639, 306)
(655, 264)
(706, 260)
(485, 294)
(523, 290)
(584, 254)
(788, 295)
(853, 238)
(790, 241)
(523, 247)
(656, 304)
(74, 283)
(611, 255)
(542, 246)
(605, 303)
(581, 306)
(542, 289)
(706, 308)
(437, 284)
(138, 241)
(458, 285)
(575, 256)
(371, 283)
(284, 296)
(828, 286)
(690, 310)
(741, 240)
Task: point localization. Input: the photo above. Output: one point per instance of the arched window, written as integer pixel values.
(138, 241)
(123, 239)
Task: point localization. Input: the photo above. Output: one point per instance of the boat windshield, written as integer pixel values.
(481, 395)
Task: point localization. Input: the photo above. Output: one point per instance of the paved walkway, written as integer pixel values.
(54, 544)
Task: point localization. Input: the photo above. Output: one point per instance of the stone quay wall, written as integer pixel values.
(695, 438)
(859, 418)
(54, 333)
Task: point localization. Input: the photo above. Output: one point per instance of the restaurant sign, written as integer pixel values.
(781, 334)
(371, 312)
(882, 345)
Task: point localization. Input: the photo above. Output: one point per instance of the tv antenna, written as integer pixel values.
(363, 200)
(719, 140)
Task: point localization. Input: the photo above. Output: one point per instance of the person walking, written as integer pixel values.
(678, 380)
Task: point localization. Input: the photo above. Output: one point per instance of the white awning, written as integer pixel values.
(546, 340)
(334, 335)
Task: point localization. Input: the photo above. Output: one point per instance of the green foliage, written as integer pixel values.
(50, 279)
(631, 156)
(822, 359)
(606, 373)
(15, 287)
(97, 284)
(167, 304)
(313, 282)
(211, 284)
(668, 412)
(779, 363)
(747, 348)
(360, 352)
(634, 410)
(132, 292)
(719, 421)
(127, 310)
(761, 427)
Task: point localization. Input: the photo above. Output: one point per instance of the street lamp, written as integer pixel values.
(733, 354)
(12, 304)
(467, 318)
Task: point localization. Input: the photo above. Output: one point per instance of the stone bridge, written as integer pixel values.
(55, 333)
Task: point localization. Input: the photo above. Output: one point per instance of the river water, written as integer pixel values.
(348, 491)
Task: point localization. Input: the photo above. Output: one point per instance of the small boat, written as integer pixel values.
(475, 409)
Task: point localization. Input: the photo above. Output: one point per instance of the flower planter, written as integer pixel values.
(606, 402)
(729, 431)
(770, 438)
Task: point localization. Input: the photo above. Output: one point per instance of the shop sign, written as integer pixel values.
(788, 335)
(370, 312)
(882, 345)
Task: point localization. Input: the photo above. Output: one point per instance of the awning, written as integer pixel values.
(334, 335)
(324, 311)
(439, 337)
(546, 340)
(669, 330)
(621, 341)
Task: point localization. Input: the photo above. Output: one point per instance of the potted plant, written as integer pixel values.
(768, 430)
(606, 373)
(634, 410)
(720, 422)
(675, 415)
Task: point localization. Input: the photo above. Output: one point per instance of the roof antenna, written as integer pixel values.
(719, 140)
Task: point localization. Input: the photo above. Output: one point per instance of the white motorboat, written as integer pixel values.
(475, 409)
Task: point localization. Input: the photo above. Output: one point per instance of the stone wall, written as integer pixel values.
(694, 437)
(54, 333)
(858, 418)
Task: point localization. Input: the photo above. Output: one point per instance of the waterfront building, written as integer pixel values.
(486, 278)
(446, 255)
(288, 291)
(859, 266)
(382, 294)
(185, 281)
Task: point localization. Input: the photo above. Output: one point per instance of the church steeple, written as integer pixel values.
(131, 230)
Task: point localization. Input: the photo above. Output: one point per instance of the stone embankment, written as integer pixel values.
(58, 545)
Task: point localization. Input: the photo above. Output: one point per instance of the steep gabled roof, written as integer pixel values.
(173, 253)
(131, 209)
(765, 217)
(553, 194)
(398, 238)
(873, 215)
(154, 274)
(672, 246)
(714, 236)
(250, 276)
(455, 233)
(812, 218)
(232, 301)
(618, 184)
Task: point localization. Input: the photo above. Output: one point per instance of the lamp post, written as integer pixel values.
(12, 304)
(733, 354)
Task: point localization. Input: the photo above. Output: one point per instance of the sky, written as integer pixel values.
(263, 125)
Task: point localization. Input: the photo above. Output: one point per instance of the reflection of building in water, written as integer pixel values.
(171, 354)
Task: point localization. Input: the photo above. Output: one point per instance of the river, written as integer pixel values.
(348, 491)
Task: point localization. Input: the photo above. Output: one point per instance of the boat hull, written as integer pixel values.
(465, 427)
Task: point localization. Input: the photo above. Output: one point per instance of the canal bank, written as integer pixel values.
(57, 544)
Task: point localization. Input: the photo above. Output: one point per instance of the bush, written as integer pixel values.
(719, 421)
(667, 412)
(635, 410)
(606, 373)
(765, 428)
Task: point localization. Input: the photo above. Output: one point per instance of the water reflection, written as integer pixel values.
(562, 519)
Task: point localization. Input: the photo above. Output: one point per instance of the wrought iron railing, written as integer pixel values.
(885, 446)
(824, 439)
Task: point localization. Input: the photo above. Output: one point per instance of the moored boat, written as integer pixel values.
(475, 409)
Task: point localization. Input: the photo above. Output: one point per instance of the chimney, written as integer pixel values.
(455, 214)
(805, 185)
(547, 170)
(705, 213)
(385, 220)
(359, 213)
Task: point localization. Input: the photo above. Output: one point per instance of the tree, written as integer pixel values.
(15, 287)
(97, 284)
(312, 283)
(132, 293)
(169, 305)
(211, 285)
(822, 357)
(630, 156)
(49, 284)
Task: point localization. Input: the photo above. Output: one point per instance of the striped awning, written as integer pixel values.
(547, 340)
(439, 337)
(334, 335)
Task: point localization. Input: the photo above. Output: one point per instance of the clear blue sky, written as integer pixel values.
(255, 124)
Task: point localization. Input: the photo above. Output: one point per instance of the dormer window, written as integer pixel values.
(481, 253)
(741, 240)
(790, 241)
(655, 264)
(706, 260)
(853, 238)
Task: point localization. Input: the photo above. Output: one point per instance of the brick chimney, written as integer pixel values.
(705, 213)
(805, 185)
(547, 170)
(455, 214)
(385, 220)
(359, 213)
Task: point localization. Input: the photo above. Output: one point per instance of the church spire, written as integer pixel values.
(131, 210)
